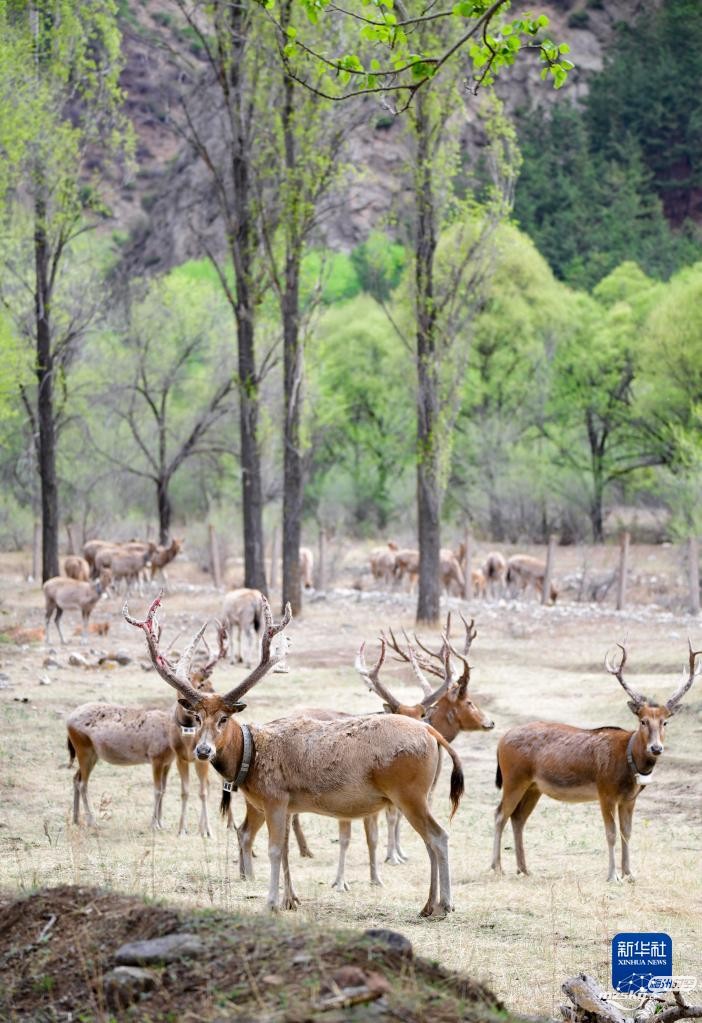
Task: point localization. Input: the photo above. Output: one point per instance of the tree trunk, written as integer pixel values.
(428, 440)
(46, 453)
(164, 511)
(292, 376)
(242, 246)
(596, 507)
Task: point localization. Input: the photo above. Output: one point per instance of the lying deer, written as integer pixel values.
(343, 769)
(75, 567)
(241, 609)
(523, 572)
(578, 765)
(128, 736)
(63, 594)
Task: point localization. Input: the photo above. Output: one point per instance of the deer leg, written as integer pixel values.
(87, 759)
(508, 804)
(290, 899)
(184, 772)
(518, 820)
(608, 808)
(84, 629)
(302, 845)
(339, 881)
(253, 822)
(626, 817)
(50, 608)
(202, 772)
(370, 823)
(394, 855)
(277, 821)
(416, 809)
(159, 769)
(57, 623)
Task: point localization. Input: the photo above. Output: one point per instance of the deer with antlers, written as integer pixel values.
(575, 765)
(343, 769)
(128, 736)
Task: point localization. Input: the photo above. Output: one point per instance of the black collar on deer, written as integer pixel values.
(270, 631)
(246, 760)
(672, 703)
(174, 675)
(640, 777)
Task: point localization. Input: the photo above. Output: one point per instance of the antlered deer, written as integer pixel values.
(297, 765)
(128, 736)
(242, 609)
(524, 571)
(578, 765)
(63, 594)
(75, 567)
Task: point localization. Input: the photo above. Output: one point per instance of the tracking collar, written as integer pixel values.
(639, 777)
(246, 758)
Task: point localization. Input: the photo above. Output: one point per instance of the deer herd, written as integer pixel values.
(346, 765)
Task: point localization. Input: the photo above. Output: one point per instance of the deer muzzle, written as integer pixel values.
(204, 751)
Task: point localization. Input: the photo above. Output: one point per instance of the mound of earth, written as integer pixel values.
(73, 953)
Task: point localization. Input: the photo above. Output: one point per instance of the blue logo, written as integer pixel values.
(638, 958)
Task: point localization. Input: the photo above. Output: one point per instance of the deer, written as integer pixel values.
(65, 594)
(163, 556)
(382, 563)
(242, 609)
(524, 571)
(75, 567)
(124, 564)
(574, 765)
(451, 571)
(494, 569)
(306, 568)
(407, 564)
(90, 549)
(343, 769)
(127, 736)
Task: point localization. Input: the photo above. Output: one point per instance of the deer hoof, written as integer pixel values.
(376, 882)
(306, 853)
(341, 886)
(393, 859)
(291, 902)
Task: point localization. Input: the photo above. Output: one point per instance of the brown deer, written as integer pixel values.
(125, 565)
(407, 566)
(128, 736)
(75, 567)
(451, 572)
(306, 568)
(163, 556)
(343, 769)
(90, 549)
(576, 765)
(382, 563)
(494, 569)
(524, 571)
(241, 609)
(63, 594)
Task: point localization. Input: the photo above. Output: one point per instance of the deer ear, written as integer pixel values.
(237, 707)
(387, 708)
(186, 704)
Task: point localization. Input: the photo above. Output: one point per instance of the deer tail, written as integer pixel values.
(498, 776)
(457, 787)
(71, 751)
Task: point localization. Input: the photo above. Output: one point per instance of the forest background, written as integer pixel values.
(216, 276)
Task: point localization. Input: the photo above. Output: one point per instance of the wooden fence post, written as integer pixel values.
(273, 574)
(623, 569)
(214, 557)
(548, 571)
(36, 551)
(693, 568)
(467, 565)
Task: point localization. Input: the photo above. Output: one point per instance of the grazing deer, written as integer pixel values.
(577, 765)
(340, 769)
(494, 570)
(306, 567)
(382, 563)
(128, 736)
(63, 594)
(524, 571)
(242, 609)
(75, 567)
(407, 565)
(163, 556)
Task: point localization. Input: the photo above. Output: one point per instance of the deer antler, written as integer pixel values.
(434, 697)
(371, 676)
(672, 703)
(393, 643)
(176, 676)
(266, 662)
(471, 633)
(616, 669)
(223, 644)
(464, 678)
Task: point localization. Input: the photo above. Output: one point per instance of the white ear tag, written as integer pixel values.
(643, 779)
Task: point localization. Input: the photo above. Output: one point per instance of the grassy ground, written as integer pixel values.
(522, 936)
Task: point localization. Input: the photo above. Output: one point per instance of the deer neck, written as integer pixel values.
(235, 758)
(640, 763)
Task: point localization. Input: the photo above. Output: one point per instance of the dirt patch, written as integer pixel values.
(57, 945)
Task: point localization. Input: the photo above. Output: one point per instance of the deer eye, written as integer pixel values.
(222, 722)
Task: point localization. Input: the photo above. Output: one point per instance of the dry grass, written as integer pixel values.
(521, 936)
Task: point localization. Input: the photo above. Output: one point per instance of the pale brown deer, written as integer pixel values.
(306, 568)
(494, 569)
(407, 566)
(524, 571)
(452, 578)
(382, 563)
(63, 594)
(163, 556)
(341, 769)
(610, 765)
(126, 565)
(90, 549)
(75, 567)
(128, 736)
(241, 610)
